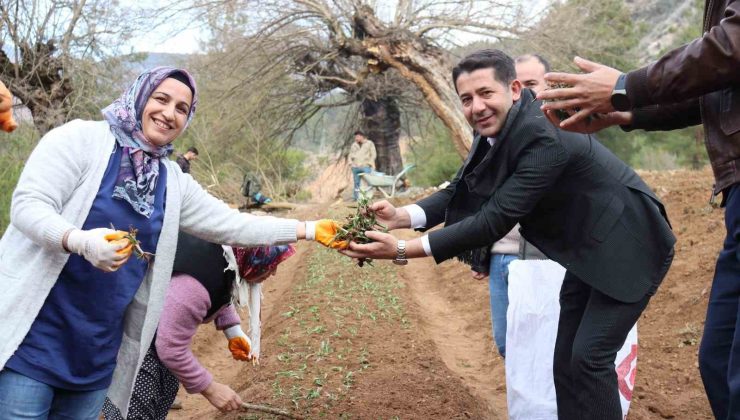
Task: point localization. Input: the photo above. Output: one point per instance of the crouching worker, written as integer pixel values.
(206, 286)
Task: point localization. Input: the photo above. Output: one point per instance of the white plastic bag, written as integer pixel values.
(532, 325)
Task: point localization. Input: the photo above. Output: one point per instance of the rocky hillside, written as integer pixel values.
(666, 23)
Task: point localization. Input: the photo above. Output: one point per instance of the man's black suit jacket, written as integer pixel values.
(575, 201)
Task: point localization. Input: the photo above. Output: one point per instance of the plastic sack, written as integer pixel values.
(532, 326)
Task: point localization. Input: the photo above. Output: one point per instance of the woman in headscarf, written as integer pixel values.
(77, 315)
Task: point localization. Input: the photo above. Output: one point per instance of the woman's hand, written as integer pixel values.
(239, 344)
(240, 348)
(323, 231)
(93, 246)
(222, 397)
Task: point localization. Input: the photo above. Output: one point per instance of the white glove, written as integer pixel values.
(92, 245)
(239, 344)
(235, 331)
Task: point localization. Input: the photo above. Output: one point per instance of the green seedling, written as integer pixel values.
(357, 224)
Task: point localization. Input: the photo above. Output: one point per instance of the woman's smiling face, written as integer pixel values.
(166, 112)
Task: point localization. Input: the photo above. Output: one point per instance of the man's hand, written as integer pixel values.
(222, 397)
(384, 247)
(590, 92)
(597, 123)
(389, 216)
(478, 276)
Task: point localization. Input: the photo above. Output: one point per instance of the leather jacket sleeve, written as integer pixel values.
(705, 65)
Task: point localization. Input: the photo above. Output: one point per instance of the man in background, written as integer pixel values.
(184, 160)
(530, 70)
(361, 159)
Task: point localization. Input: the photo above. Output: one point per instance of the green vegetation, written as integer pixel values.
(323, 345)
(434, 155)
(14, 150)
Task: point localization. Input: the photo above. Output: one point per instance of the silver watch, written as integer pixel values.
(400, 253)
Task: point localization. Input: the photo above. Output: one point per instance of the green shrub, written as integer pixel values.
(14, 150)
(435, 157)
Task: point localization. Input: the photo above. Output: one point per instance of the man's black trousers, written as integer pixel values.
(591, 330)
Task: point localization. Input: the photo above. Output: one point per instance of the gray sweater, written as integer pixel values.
(55, 193)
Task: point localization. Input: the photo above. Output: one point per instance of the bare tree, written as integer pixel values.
(345, 43)
(48, 48)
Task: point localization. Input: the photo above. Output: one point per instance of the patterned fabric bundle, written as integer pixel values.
(253, 263)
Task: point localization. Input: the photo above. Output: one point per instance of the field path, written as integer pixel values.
(456, 316)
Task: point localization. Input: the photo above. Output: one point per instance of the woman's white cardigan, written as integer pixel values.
(55, 193)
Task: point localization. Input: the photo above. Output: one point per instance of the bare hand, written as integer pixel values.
(222, 397)
(590, 92)
(389, 216)
(477, 275)
(592, 125)
(384, 247)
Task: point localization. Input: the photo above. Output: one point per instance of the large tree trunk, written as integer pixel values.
(381, 121)
(423, 64)
(38, 80)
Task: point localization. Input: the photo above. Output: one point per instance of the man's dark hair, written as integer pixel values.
(193, 149)
(541, 59)
(360, 133)
(497, 60)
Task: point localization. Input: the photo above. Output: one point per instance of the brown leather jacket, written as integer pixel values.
(698, 83)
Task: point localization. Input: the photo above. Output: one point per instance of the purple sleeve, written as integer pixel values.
(227, 317)
(185, 307)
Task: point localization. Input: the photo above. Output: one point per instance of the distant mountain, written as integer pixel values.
(666, 23)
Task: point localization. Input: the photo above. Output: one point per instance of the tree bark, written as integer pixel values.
(381, 122)
(37, 79)
(423, 64)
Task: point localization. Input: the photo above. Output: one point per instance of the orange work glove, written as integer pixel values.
(7, 123)
(324, 231)
(119, 237)
(240, 347)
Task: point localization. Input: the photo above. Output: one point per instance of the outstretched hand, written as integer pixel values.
(592, 125)
(383, 247)
(389, 216)
(590, 93)
(326, 230)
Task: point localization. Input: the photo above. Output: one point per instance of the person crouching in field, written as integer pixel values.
(78, 316)
(576, 202)
(206, 279)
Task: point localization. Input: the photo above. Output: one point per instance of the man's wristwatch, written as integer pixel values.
(400, 253)
(619, 99)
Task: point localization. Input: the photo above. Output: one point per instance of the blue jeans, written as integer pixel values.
(356, 171)
(24, 398)
(719, 354)
(499, 291)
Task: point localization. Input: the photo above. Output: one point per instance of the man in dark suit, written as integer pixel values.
(575, 201)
